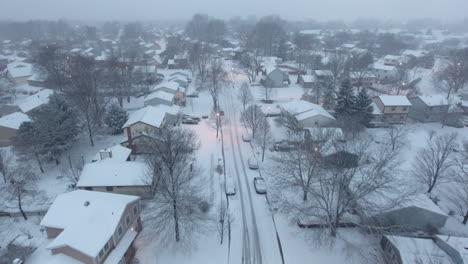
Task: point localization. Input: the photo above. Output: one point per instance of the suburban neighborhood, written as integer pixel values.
(251, 139)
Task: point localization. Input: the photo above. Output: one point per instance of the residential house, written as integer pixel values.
(323, 76)
(19, 72)
(114, 176)
(34, 101)
(395, 108)
(181, 74)
(90, 228)
(429, 108)
(181, 61)
(306, 81)
(392, 60)
(275, 78)
(414, 213)
(160, 97)
(309, 115)
(9, 126)
(384, 72)
(172, 87)
(363, 79)
(147, 122)
(182, 81)
(116, 152)
(410, 250)
(377, 115)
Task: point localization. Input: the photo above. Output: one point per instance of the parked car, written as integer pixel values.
(193, 95)
(253, 164)
(229, 186)
(191, 117)
(189, 121)
(246, 138)
(259, 184)
(285, 146)
(204, 116)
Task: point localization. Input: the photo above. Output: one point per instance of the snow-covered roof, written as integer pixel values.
(303, 109)
(392, 57)
(117, 152)
(421, 201)
(310, 32)
(394, 100)
(19, 69)
(169, 97)
(308, 78)
(151, 115)
(145, 69)
(118, 252)
(419, 250)
(14, 120)
(178, 78)
(43, 255)
(148, 115)
(434, 100)
(383, 67)
(357, 75)
(174, 86)
(323, 73)
(88, 219)
(35, 100)
(415, 53)
(460, 244)
(110, 172)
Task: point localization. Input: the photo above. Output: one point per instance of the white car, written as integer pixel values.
(229, 186)
(259, 184)
(246, 138)
(253, 164)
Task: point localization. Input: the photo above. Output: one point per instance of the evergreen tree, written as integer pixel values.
(116, 118)
(363, 107)
(52, 130)
(57, 126)
(345, 99)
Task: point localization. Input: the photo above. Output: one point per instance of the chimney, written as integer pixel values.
(105, 154)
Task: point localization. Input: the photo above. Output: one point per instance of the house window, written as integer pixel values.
(106, 246)
(128, 220)
(109, 189)
(404, 108)
(393, 108)
(119, 230)
(135, 210)
(101, 253)
(88, 188)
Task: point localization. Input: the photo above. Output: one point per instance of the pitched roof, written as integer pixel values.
(419, 250)
(83, 215)
(35, 100)
(151, 115)
(111, 172)
(161, 95)
(14, 120)
(394, 100)
(434, 100)
(303, 109)
(174, 86)
(19, 69)
(119, 153)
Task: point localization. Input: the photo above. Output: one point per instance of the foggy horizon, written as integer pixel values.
(145, 10)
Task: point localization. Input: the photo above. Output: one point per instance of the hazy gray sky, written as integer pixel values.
(183, 9)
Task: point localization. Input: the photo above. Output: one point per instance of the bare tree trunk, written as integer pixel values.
(304, 197)
(21, 208)
(176, 222)
(263, 154)
(90, 131)
(431, 186)
(39, 162)
(465, 218)
(120, 99)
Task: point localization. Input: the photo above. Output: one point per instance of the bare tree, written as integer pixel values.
(252, 118)
(6, 159)
(250, 64)
(396, 134)
(119, 77)
(455, 74)
(264, 136)
(337, 65)
(434, 163)
(217, 78)
(20, 183)
(86, 91)
(200, 58)
(458, 197)
(51, 60)
(245, 96)
(178, 189)
(7, 87)
(290, 121)
(356, 180)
